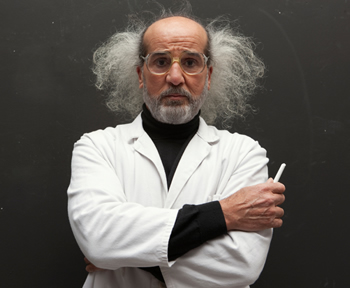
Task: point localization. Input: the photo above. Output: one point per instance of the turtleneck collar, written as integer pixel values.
(159, 130)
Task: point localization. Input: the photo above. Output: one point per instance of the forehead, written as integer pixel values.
(175, 34)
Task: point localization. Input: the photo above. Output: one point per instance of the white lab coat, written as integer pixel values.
(122, 213)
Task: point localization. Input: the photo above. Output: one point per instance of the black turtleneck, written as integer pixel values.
(194, 224)
(170, 140)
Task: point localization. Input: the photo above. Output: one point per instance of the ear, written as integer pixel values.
(139, 72)
(210, 70)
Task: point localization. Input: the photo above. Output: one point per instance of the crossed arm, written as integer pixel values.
(250, 209)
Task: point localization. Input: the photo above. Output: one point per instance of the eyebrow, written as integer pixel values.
(168, 52)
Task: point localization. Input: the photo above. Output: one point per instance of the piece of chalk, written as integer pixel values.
(279, 173)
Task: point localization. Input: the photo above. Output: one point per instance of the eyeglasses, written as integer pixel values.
(159, 63)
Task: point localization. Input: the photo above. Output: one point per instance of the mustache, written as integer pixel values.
(175, 90)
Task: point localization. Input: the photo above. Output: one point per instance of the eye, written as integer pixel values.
(161, 61)
(189, 62)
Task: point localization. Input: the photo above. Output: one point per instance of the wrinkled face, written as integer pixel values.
(174, 97)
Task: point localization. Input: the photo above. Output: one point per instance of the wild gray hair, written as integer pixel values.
(236, 68)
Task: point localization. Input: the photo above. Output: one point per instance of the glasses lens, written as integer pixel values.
(192, 63)
(159, 62)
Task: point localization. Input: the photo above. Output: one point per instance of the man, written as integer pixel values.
(168, 201)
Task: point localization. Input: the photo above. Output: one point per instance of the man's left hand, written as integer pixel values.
(90, 267)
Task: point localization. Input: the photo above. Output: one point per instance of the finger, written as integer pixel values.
(277, 188)
(277, 223)
(90, 268)
(279, 212)
(279, 199)
(270, 180)
(276, 199)
(86, 260)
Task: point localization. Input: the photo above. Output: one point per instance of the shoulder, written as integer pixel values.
(236, 154)
(224, 138)
(110, 135)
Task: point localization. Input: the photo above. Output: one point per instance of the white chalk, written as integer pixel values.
(279, 173)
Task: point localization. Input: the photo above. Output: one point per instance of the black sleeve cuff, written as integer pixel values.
(194, 225)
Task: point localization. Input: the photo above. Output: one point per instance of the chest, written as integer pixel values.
(200, 175)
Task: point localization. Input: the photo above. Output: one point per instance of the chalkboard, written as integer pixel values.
(48, 101)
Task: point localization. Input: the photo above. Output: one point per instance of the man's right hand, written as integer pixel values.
(254, 208)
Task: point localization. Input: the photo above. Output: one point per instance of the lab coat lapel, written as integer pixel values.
(194, 154)
(144, 145)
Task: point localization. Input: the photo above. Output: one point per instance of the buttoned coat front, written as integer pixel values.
(122, 213)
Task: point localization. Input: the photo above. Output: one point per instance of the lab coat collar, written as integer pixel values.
(196, 151)
(205, 132)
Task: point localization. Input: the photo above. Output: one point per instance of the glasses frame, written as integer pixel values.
(175, 59)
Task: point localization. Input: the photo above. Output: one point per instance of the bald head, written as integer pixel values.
(173, 33)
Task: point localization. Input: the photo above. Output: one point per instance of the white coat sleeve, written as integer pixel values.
(236, 258)
(110, 231)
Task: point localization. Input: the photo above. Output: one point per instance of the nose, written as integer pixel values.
(175, 75)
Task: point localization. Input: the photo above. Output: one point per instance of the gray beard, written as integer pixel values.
(172, 111)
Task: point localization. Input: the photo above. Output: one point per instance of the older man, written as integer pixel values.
(167, 199)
